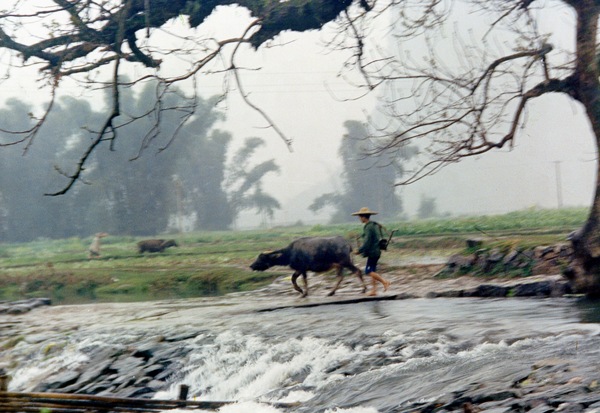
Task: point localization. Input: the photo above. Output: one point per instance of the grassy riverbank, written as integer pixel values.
(213, 263)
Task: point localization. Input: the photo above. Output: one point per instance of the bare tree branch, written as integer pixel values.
(235, 70)
(97, 34)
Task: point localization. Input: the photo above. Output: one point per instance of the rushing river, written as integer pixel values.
(367, 357)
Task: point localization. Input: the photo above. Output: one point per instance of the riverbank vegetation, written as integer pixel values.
(214, 263)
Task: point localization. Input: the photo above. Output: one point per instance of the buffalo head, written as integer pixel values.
(265, 261)
(170, 243)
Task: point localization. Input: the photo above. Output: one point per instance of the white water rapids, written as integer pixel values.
(369, 357)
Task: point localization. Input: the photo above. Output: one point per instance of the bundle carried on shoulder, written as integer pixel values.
(383, 242)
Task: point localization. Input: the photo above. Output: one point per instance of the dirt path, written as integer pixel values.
(414, 280)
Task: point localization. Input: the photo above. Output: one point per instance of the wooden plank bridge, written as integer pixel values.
(18, 402)
(13, 402)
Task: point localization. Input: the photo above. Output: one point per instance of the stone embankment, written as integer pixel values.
(534, 272)
(550, 385)
(551, 259)
(139, 371)
(22, 306)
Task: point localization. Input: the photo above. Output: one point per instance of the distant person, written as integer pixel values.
(370, 249)
(94, 250)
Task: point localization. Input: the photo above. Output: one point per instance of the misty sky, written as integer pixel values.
(553, 160)
(298, 86)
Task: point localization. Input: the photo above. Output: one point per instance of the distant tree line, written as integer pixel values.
(366, 180)
(132, 186)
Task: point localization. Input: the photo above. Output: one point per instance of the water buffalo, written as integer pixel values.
(317, 254)
(155, 245)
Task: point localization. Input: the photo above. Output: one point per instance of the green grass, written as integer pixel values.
(215, 263)
(533, 219)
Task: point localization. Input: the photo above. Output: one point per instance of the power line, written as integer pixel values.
(558, 184)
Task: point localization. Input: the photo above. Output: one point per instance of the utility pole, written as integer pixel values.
(558, 184)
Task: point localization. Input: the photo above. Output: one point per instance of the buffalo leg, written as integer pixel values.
(295, 284)
(359, 274)
(305, 284)
(340, 277)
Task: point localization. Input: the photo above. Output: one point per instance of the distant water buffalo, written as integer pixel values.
(155, 245)
(317, 254)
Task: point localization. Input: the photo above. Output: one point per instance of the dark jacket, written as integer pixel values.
(370, 236)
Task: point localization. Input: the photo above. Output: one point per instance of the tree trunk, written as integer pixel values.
(585, 277)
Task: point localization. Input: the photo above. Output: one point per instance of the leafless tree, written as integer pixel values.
(475, 100)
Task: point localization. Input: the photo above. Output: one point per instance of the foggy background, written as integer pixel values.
(553, 163)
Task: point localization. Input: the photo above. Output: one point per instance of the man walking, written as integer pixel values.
(370, 248)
